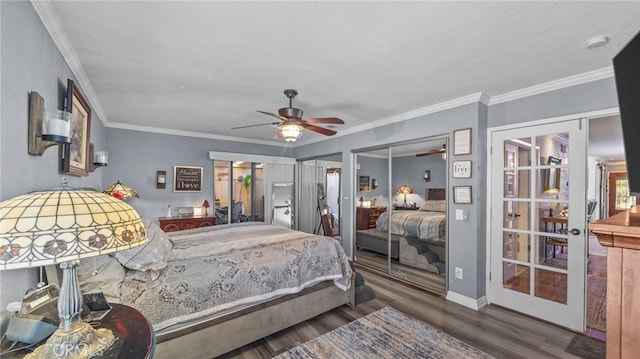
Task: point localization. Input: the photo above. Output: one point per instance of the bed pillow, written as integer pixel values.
(434, 206)
(101, 274)
(152, 255)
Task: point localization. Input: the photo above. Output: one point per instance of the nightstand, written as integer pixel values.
(134, 333)
(366, 217)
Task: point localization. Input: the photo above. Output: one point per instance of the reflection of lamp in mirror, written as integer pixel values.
(404, 189)
(63, 226)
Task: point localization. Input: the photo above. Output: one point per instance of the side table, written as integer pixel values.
(134, 334)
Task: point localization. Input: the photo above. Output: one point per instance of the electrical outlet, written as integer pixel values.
(458, 273)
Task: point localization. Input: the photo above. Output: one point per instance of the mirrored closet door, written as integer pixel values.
(400, 211)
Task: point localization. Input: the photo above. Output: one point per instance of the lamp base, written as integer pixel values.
(82, 341)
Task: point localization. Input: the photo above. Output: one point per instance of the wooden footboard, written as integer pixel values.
(221, 335)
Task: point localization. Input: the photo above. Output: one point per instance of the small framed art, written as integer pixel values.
(461, 169)
(462, 194)
(462, 142)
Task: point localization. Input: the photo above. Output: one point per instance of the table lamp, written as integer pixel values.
(404, 189)
(62, 226)
(120, 191)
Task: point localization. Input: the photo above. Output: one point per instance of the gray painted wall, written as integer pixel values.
(409, 170)
(134, 158)
(30, 62)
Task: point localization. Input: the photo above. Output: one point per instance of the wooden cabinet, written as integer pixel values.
(366, 217)
(171, 224)
(621, 235)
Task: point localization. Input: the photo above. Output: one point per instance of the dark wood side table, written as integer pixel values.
(171, 224)
(134, 334)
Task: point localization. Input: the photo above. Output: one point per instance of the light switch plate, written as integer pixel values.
(459, 215)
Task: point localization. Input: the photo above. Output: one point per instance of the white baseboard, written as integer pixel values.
(475, 304)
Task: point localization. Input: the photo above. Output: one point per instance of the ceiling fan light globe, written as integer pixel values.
(290, 131)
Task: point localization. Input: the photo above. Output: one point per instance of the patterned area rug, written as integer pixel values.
(597, 303)
(386, 333)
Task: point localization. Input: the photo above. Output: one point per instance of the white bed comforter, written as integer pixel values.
(218, 268)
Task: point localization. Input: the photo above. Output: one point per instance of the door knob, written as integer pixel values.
(574, 231)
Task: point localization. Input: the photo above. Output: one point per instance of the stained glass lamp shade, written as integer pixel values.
(120, 191)
(63, 226)
(404, 189)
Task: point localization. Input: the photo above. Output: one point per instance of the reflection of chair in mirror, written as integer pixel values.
(222, 213)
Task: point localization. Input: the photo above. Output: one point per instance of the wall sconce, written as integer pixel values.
(374, 183)
(100, 158)
(46, 129)
(161, 179)
(427, 176)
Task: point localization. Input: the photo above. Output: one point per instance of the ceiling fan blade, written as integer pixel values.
(261, 124)
(333, 120)
(324, 131)
(432, 152)
(274, 115)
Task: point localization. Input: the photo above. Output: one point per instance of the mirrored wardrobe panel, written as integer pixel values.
(401, 211)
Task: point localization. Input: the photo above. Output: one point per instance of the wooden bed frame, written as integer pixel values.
(213, 337)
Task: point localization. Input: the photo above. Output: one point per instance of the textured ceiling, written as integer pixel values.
(204, 67)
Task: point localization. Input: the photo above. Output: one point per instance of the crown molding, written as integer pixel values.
(558, 84)
(166, 131)
(442, 106)
(52, 24)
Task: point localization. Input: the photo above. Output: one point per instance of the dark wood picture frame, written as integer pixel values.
(187, 179)
(75, 156)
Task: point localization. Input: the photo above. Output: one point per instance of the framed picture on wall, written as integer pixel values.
(462, 169)
(363, 184)
(462, 194)
(462, 142)
(187, 179)
(75, 160)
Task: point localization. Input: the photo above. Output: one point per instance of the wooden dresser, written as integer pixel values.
(366, 217)
(171, 224)
(621, 235)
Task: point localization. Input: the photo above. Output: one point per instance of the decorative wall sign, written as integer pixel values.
(76, 159)
(462, 194)
(187, 179)
(462, 169)
(363, 184)
(462, 142)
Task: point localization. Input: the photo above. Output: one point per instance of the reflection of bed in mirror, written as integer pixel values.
(417, 237)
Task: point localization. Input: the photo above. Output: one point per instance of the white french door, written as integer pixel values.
(538, 219)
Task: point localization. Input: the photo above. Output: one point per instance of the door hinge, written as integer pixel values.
(489, 276)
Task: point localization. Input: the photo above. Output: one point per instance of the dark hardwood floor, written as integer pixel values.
(497, 331)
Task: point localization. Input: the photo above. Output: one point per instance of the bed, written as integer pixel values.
(213, 289)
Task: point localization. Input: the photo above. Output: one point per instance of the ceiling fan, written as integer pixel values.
(292, 122)
(436, 151)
